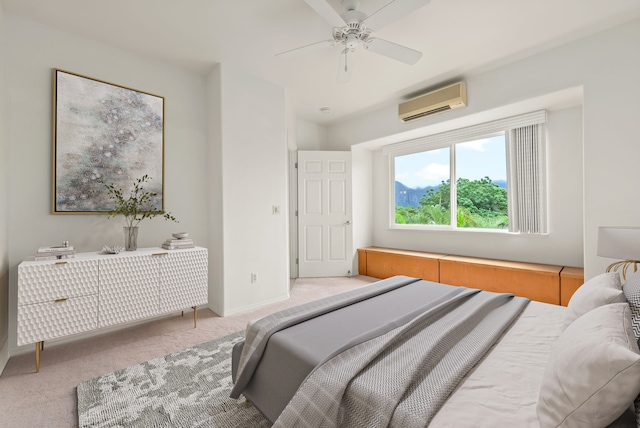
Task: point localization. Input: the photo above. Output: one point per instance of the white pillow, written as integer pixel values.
(598, 291)
(593, 372)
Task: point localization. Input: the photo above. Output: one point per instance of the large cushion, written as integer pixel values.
(593, 372)
(598, 291)
(632, 294)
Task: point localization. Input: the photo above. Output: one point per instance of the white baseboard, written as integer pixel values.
(255, 306)
(4, 355)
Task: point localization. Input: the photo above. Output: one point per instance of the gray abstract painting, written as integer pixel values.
(104, 133)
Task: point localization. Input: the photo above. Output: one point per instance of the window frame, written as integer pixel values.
(461, 135)
(453, 201)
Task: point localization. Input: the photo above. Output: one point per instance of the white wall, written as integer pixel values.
(310, 136)
(606, 65)
(254, 180)
(4, 223)
(225, 166)
(29, 58)
(214, 205)
(362, 200)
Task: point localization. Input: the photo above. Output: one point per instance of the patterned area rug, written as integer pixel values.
(189, 388)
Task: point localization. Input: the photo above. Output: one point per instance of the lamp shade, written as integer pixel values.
(619, 243)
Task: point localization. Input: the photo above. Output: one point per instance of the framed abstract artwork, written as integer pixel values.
(103, 134)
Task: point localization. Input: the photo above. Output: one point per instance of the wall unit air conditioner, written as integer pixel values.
(447, 98)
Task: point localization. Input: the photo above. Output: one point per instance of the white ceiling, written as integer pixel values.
(457, 37)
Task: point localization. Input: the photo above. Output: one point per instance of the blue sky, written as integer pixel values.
(475, 159)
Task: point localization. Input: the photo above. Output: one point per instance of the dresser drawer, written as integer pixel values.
(46, 282)
(49, 320)
(128, 289)
(183, 280)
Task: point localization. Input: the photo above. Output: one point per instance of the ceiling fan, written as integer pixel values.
(354, 28)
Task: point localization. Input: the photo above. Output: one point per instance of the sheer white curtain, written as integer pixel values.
(527, 183)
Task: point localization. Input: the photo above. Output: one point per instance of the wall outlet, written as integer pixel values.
(254, 278)
(276, 210)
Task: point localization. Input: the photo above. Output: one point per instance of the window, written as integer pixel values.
(423, 190)
(416, 177)
(489, 176)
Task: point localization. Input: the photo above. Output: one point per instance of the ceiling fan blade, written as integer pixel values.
(304, 50)
(392, 12)
(327, 12)
(344, 68)
(393, 50)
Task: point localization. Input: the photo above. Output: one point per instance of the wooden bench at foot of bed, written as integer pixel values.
(544, 283)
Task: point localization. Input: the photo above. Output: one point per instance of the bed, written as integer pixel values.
(514, 364)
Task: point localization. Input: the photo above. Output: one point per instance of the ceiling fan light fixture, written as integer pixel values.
(352, 41)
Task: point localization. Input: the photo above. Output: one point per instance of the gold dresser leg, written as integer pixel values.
(195, 316)
(38, 346)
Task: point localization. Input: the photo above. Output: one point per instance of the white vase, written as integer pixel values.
(130, 238)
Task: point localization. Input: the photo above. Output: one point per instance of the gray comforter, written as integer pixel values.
(401, 374)
(259, 332)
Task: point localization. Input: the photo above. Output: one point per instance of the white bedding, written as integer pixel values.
(503, 388)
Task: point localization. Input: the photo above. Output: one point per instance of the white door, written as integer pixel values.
(324, 214)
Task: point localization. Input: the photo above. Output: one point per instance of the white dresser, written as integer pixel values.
(58, 298)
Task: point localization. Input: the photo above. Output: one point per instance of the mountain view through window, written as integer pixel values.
(423, 190)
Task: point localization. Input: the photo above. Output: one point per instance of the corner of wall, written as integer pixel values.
(4, 355)
(215, 171)
(361, 172)
(4, 222)
(310, 136)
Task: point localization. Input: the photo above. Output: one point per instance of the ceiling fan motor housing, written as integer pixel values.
(353, 17)
(351, 35)
(350, 4)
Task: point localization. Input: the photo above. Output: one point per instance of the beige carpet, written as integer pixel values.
(48, 398)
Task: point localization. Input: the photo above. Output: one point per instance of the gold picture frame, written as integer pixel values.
(103, 133)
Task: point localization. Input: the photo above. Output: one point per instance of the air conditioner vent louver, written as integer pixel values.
(447, 98)
(426, 113)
